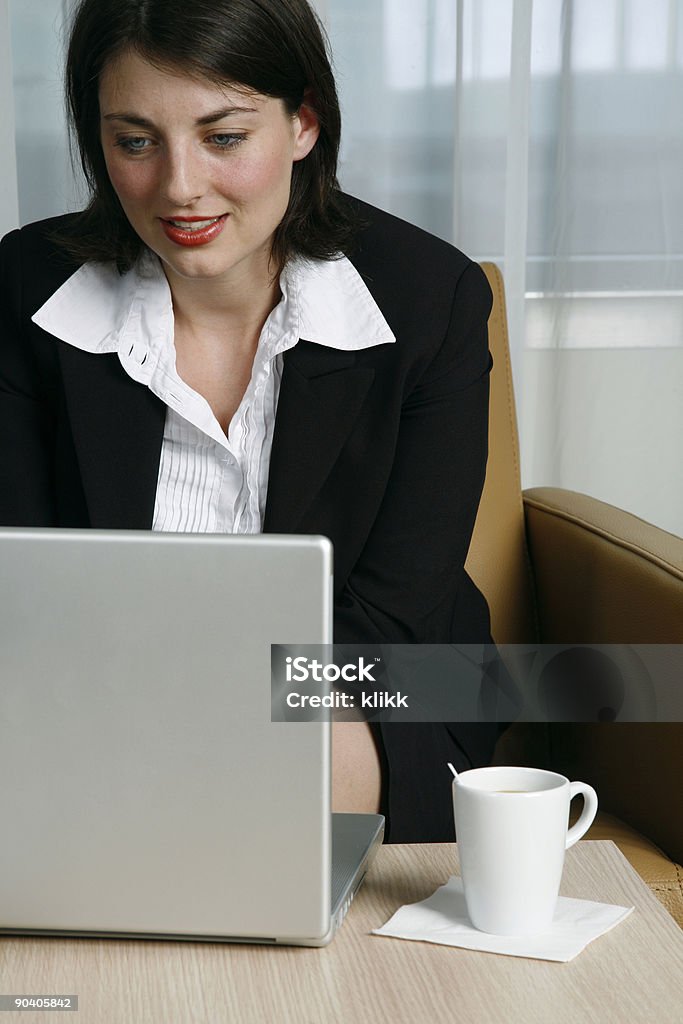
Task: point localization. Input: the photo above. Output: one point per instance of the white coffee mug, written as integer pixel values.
(511, 829)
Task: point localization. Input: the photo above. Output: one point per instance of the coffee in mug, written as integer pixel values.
(512, 832)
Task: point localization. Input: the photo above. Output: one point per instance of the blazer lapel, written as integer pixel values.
(117, 428)
(321, 394)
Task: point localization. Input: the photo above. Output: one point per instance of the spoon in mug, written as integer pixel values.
(455, 774)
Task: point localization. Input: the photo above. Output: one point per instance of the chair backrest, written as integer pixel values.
(498, 559)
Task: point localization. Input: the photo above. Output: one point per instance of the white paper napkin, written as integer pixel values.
(443, 919)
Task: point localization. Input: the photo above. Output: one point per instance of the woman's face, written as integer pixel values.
(203, 172)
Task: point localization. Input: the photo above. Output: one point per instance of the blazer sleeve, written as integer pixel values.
(409, 585)
(402, 589)
(26, 418)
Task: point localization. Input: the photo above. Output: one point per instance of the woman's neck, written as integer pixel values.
(235, 308)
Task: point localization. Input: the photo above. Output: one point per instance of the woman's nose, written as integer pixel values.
(182, 182)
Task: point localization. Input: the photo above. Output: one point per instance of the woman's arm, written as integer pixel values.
(26, 420)
(405, 586)
(409, 585)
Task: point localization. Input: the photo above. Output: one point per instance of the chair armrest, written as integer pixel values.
(601, 574)
(605, 576)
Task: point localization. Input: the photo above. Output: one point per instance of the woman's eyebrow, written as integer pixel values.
(215, 115)
(218, 115)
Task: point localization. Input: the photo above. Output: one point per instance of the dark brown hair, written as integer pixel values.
(275, 47)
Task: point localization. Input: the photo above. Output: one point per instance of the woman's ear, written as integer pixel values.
(306, 125)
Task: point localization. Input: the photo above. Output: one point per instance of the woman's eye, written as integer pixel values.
(223, 140)
(133, 144)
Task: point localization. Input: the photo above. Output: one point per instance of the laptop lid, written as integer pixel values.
(143, 787)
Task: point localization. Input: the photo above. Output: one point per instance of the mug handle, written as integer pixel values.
(590, 809)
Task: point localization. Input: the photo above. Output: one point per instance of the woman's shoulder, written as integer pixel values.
(41, 239)
(381, 230)
(33, 259)
(41, 234)
(404, 263)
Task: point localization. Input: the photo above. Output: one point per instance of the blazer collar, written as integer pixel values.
(118, 426)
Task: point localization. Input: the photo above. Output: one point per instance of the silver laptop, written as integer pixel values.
(144, 790)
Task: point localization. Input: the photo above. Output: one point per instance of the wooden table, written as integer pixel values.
(631, 975)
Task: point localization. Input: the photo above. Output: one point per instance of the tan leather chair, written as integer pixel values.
(560, 567)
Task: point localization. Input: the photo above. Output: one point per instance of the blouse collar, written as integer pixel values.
(99, 310)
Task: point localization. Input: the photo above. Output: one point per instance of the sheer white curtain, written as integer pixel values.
(46, 182)
(543, 134)
(9, 206)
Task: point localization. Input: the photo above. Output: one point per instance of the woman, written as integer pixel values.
(223, 341)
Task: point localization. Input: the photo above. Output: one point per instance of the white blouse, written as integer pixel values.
(209, 482)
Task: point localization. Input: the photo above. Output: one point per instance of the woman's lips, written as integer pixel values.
(199, 230)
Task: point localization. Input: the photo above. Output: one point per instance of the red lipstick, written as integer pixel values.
(188, 236)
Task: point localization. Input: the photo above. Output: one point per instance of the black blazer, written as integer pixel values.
(382, 450)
